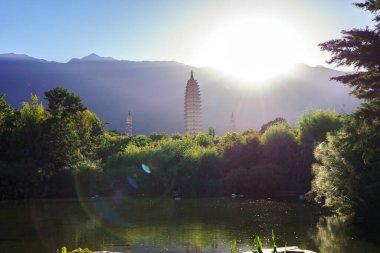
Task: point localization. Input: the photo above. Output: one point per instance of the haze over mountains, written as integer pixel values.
(154, 91)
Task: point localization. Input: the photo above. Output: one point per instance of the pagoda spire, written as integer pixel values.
(232, 125)
(128, 125)
(193, 124)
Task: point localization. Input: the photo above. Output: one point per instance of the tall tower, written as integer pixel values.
(232, 126)
(128, 125)
(193, 124)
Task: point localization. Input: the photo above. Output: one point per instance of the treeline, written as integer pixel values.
(64, 150)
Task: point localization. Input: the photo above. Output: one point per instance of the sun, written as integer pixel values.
(252, 48)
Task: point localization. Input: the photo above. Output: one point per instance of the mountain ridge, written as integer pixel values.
(154, 90)
(93, 58)
(19, 57)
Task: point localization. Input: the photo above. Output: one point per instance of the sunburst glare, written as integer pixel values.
(252, 48)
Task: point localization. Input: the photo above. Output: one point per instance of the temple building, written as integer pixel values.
(128, 125)
(193, 117)
(232, 125)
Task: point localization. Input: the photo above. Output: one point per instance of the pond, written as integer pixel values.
(167, 225)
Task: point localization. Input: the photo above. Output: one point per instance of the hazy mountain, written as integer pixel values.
(18, 57)
(94, 57)
(154, 91)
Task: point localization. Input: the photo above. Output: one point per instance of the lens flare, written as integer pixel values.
(145, 168)
(132, 182)
(106, 212)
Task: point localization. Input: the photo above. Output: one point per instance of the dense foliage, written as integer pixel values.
(64, 149)
(41, 150)
(347, 172)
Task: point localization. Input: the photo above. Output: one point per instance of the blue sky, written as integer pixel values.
(157, 30)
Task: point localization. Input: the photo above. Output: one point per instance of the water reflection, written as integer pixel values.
(336, 234)
(166, 225)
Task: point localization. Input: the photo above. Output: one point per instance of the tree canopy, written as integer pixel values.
(347, 171)
(359, 48)
(63, 102)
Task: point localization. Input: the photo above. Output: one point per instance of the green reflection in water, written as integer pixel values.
(157, 225)
(335, 234)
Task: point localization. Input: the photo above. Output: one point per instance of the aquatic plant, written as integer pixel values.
(258, 245)
(234, 248)
(274, 242)
(64, 250)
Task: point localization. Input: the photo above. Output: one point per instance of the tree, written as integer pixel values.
(62, 102)
(141, 140)
(211, 132)
(282, 149)
(5, 109)
(311, 129)
(278, 120)
(30, 129)
(158, 136)
(359, 48)
(203, 139)
(7, 116)
(347, 172)
(40, 152)
(314, 124)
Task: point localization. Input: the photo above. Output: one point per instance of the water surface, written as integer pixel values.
(166, 225)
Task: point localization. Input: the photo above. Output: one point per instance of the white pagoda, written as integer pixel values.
(128, 125)
(193, 117)
(232, 125)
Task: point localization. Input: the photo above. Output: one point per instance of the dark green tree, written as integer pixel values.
(203, 139)
(211, 131)
(158, 136)
(359, 48)
(62, 102)
(313, 125)
(5, 110)
(278, 120)
(7, 115)
(141, 140)
(311, 130)
(347, 172)
(282, 149)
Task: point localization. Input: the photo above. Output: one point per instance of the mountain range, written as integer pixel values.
(153, 91)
